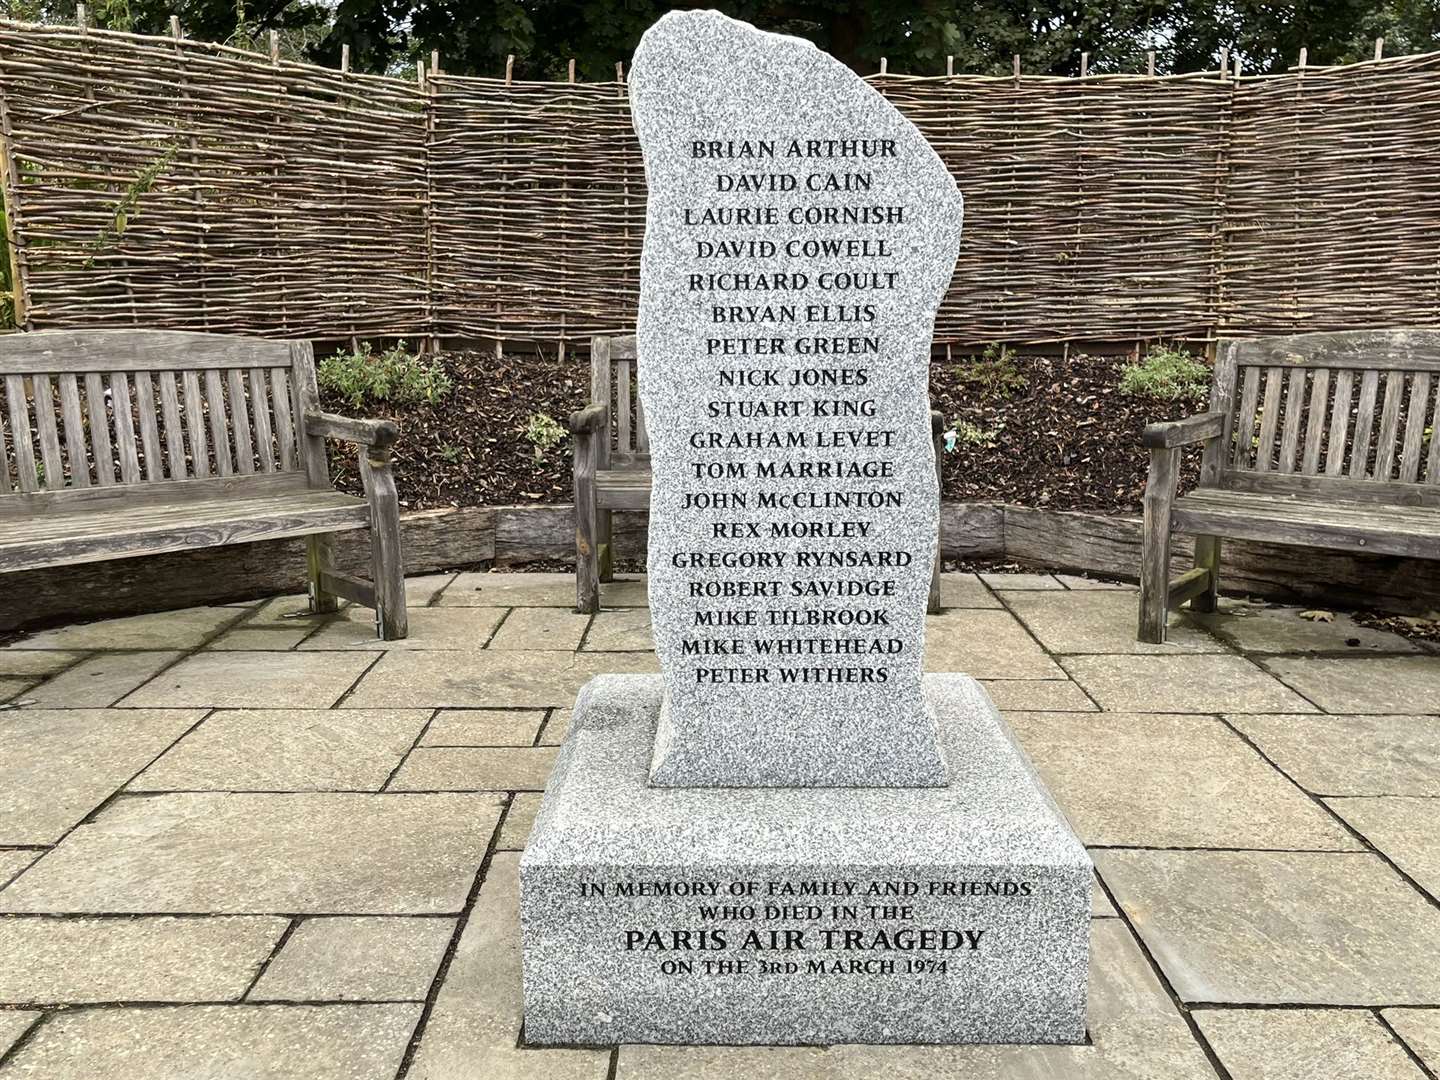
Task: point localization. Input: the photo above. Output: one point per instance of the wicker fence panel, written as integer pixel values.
(1333, 200)
(539, 209)
(172, 183)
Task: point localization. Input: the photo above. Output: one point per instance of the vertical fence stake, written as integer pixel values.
(1379, 48)
(884, 65)
(509, 69)
(19, 264)
(427, 86)
(949, 66)
(1084, 64)
(1150, 63)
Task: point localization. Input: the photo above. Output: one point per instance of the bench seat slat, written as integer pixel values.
(48, 432)
(195, 424)
(75, 452)
(124, 428)
(77, 537)
(1311, 521)
(20, 433)
(99, 429)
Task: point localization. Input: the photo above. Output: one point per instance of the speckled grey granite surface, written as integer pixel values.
(798, 228)
(616, 862)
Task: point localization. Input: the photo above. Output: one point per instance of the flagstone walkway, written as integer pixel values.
(239, 844)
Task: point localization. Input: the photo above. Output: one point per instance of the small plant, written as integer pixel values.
(395, 376)
(544, 433)
(449, 453)
(1166, 374)
(993, 376)
(965, 433)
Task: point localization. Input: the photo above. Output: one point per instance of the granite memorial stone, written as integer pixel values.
(791, 835)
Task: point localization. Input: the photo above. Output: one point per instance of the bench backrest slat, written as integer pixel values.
(614, 381)
(83, 409)
(1354, 413)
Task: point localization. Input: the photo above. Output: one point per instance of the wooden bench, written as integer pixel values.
(174, 441)
(612, 465)
(1320, 440)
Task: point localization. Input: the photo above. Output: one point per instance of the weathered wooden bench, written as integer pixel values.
(174, 441)
(612, 465)
(1320, 440)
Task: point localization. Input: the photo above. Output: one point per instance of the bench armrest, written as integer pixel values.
(376, 434)
(591, 418)
(1202, 427)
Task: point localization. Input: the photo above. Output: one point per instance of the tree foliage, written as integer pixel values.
(475, 36)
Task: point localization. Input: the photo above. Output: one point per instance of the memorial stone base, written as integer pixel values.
(954, 914)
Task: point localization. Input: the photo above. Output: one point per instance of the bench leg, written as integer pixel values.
(605, 543)
(320, 555)
(1155, 550)
(387, 560)
(1207, 556)
(587, 528)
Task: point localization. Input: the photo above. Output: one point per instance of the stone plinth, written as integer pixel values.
(980, 894)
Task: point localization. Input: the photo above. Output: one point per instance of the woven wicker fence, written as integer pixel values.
(165, 182)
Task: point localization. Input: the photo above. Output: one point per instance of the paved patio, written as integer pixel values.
(237, 844)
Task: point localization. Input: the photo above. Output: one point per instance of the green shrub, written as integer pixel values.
(1166, 374)
(363, 376)
(992, 375)
(966, 433)
(545, 433)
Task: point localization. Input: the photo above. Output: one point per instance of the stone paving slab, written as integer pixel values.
(474, 1027)
(627, 590)
(1405, 830)
(508, 680)
(1101, 621)
(1398, 684)
(1135, 1030)
(557, 727)
(286, 611)
(541, 628)
(248, 680)
(966, 591)
(519, 820)
(1100, 905)
(1081, 582)
(264, 854)
(620, 630)
(475, 768)
(58, 961)
(1279, 927)
(101, 680)
(1420, 1028)
(430, 628)
(423, 589)
(37, 662)
(210, 1042)
(57, 765)
(12, 862)
(357, 958)
(1272, 628)
(13, 1024)
(485, 589)
(1305, 1044)
(287, 750)
(1351, 755)
(187, 628)
(1186, 684)
(484, 727)
(1142, 780)
(15, 686)
(1020, 582)
(263, 638)
(985, 645)
(1037, 695)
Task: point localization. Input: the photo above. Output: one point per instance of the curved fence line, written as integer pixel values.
(170, 183)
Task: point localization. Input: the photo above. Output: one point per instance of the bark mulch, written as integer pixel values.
(1040, 431)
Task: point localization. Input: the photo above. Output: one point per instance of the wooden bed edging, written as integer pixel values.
(437, 540)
